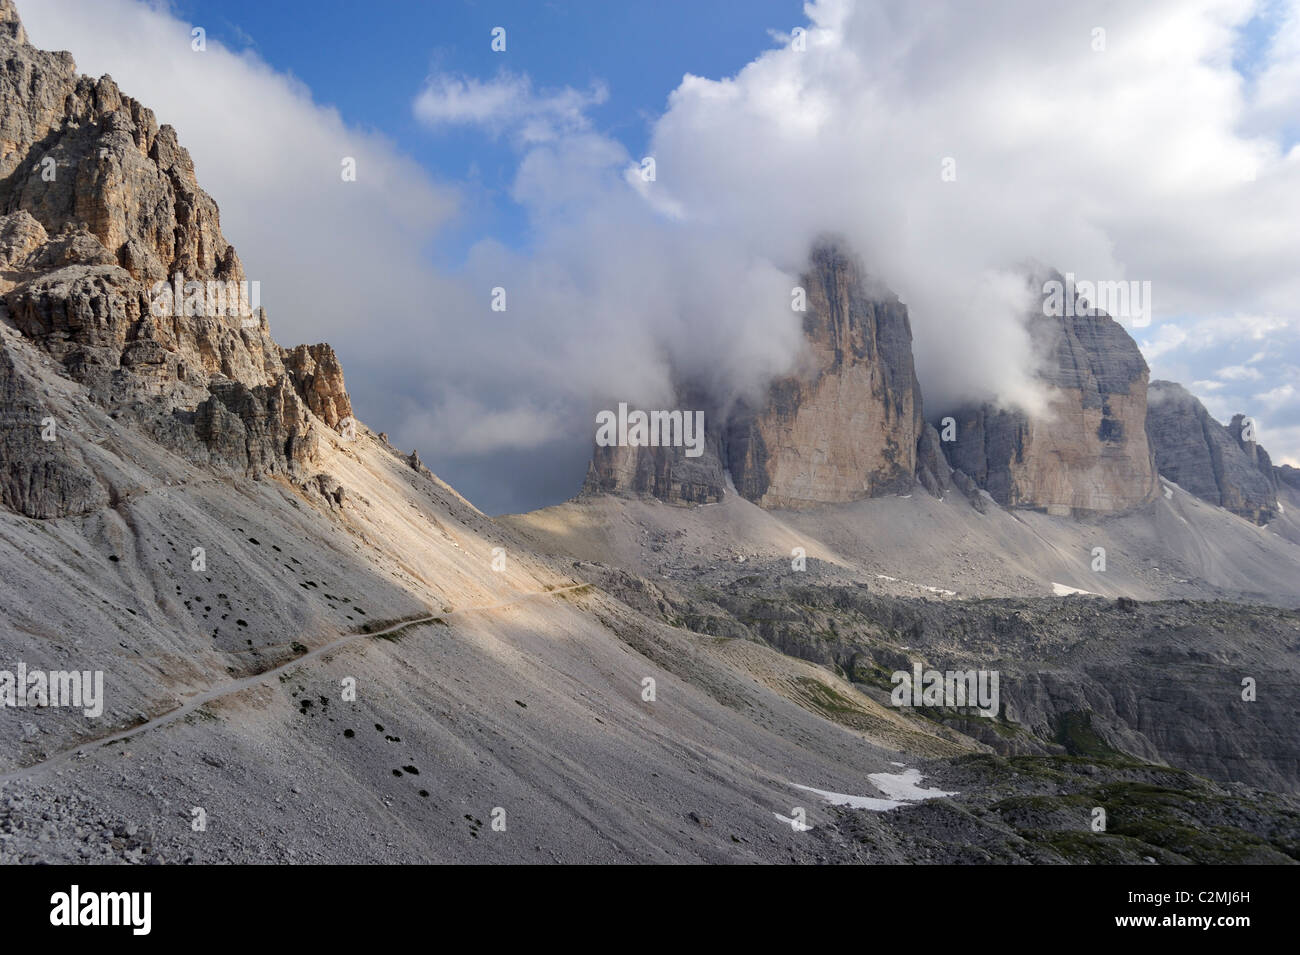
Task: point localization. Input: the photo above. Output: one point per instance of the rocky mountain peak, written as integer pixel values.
(80, 155)
(1087, 450)
(1222, 464)
(845, 426)
(113, 265)
(849, 423)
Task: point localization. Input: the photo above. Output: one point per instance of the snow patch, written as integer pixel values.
(905, 785)
(933, 590)
(1063, 591)
(899, 789)
(873, 803)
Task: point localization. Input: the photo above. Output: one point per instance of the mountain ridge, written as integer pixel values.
(1088, 450)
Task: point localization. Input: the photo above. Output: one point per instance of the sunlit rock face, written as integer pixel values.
(113, 264)
(1087, 450)
(844, 426)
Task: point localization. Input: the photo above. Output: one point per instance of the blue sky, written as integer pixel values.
(369, 60)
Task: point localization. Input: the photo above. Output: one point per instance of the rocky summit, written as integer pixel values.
(1087, 450)
(1222, 464)
(851, 425)
(847, 427)
(844, 427)
(113, 265)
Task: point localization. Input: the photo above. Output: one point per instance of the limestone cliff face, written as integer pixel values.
(665, 473)
(75, 152)
(317, 375)
(932, 468)
(99, 211)
(845, 427)
(1088, 451)
(1210, 460)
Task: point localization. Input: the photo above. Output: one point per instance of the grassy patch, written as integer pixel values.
(825, 699)
(1074, 731)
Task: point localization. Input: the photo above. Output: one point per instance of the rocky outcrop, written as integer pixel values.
(932, 468)
(666, 472)
(1216, 463)
(261, 430)
(1087, 450)
(1090, 677)
(75, 151)
(112, 262)
(40, 476)
(845, 427)
(317, 375)
(1288, 475)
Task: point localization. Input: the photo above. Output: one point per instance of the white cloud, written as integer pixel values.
(1278, 397)
(1168, 337)
(507, 103)
(1239, 373)
(1279, 79)
(464, 426)
(1093, 162)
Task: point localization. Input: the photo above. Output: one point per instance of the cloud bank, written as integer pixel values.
(950, 143)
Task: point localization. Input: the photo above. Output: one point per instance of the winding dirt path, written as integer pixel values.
(204, 697)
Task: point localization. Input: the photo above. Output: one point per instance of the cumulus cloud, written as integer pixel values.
(1240, 373)
(1121, 162)
(1115, 141)
(1278, 397)
(1135, 153)
(506, 104)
